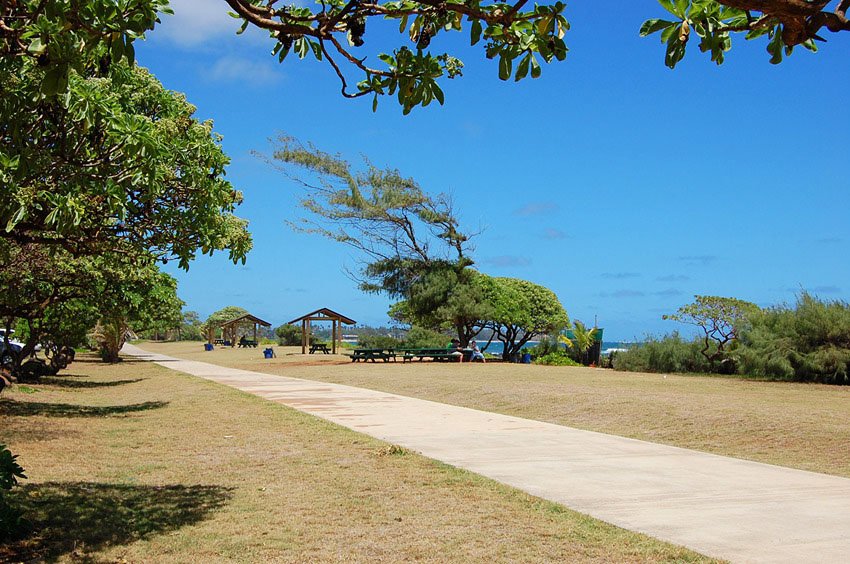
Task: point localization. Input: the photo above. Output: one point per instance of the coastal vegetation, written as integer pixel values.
(806, 342)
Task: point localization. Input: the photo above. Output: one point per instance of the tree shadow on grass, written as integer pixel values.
(60, 382)
(82, 517)
(28, 408)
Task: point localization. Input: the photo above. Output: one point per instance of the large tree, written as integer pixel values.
(117, 160)
(411, 241)
(522, 310)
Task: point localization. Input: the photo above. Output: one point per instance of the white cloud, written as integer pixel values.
(196, 22)
(239, 69)
(536, 208)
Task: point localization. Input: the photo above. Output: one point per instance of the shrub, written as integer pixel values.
(546, 346)
(809, 343)
(288, 335)
(421, 338)
(11, 521)
(375, 341)
(556, 358)
(670, 353)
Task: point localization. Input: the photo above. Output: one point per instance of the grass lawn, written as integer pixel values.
(797, 425)
(136, 463)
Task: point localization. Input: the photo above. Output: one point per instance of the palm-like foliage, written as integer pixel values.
(582, 339)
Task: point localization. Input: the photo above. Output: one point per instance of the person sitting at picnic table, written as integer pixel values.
(476, 352)
(455, 349)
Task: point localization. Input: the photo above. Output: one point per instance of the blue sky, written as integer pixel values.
(623, 186)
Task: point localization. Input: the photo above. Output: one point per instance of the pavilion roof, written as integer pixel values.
(324, 314)
(246, 317)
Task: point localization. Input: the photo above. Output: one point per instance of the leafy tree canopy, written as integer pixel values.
(223, 315)
(522, 310)
(519, 36)
(118, 163)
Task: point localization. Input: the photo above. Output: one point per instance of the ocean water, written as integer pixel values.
(497, 348)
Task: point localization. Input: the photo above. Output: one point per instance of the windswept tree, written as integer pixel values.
(720, 320)
(413, 247)
(521, 311)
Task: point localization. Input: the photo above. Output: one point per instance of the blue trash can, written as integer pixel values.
(526, 358)
(208, 346)
(268, 353)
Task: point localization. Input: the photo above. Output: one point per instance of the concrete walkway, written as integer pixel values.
(723, 507)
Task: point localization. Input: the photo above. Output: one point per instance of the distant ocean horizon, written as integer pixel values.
(496, 347)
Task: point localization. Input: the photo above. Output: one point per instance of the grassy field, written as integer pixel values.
(797, 425)
(136, 463)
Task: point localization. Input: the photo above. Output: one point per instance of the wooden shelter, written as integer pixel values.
(324, 314)
(229, 328)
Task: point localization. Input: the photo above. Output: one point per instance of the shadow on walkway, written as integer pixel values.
(27, 408)
(80, 517)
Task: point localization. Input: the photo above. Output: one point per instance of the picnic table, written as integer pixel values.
(245, 343)
(218, 342)
(373, 355)
(434, 354)
(319, 347)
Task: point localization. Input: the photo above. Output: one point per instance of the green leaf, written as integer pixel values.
(522, 68)
(36, 47)
(438, 93)
(476, 32)
(505, 65)
(535, 68)
(652, 26)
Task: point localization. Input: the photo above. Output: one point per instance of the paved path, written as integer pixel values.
(723, 507)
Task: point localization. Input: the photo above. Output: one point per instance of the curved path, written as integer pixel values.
(723, 507)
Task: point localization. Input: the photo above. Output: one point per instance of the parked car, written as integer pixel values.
(5, 355)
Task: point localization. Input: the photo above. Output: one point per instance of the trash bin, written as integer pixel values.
(526, 358)
(268, 353)
(208, 346)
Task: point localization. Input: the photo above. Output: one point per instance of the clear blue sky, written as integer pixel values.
(623, 186)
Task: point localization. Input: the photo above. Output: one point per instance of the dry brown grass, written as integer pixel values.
(137, 463)
(797, 425)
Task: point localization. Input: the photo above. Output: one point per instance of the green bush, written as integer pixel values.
(375, 341)
(288, 335)
(670, 353)
(545, 347)
(11, 521)
(807, 343)
(556, 358)
(421, 338)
